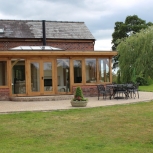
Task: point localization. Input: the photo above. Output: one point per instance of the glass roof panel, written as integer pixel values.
(53, 48)
(25, 47)
(36, 48)
(1, 30)
(46, 48)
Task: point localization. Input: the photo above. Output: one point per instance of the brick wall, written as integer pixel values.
(72, 46)
(4, 94)
(88, 91)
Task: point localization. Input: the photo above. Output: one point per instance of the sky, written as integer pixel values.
(99, 15)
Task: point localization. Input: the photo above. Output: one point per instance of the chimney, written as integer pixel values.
(44, 32)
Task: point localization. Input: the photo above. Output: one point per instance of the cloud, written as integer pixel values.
(104, 34)
(103, 45)
(99, 15)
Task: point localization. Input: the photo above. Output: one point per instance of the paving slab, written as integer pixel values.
(16, 106)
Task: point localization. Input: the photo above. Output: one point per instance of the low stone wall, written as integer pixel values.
(88, 91)
(4, 94)
(42, 98)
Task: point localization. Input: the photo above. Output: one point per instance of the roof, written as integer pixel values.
(54, 29)
(37, 48)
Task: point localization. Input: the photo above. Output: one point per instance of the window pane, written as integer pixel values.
(63, 75)
(48, 76)
(104, 72)
(18, 76)
(3, 73)
(35, 76)
(91, 74)
(77, 66)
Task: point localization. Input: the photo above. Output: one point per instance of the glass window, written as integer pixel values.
(18, 76)
(91, 74)
(77, 67)
(63, 75)
(104, 71)
(47, 76)
(35, 76)
(3, 73)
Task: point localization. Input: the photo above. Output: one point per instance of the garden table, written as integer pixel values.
(119, 91)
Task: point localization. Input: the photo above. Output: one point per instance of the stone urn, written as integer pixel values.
(79, 103)
(79, 100)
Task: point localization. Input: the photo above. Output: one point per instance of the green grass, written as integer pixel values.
(146, 88)
(111, 129)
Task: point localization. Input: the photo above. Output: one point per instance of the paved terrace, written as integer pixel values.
(16, 106)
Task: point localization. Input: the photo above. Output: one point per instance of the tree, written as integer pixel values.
(132, 25)
(136, 55)
(122, 30)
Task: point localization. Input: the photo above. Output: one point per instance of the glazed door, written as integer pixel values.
(18, 77)
(35, 78)
(47, 84)
(41, 75)
(63, 76)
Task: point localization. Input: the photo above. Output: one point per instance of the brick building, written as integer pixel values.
(50, 58)
(70, 36)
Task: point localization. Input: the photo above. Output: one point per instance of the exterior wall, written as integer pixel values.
(88, 91)
(4, 94)
(89, 88)
(69, 46)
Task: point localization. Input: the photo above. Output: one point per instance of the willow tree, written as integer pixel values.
(136, 55)
(131, 25)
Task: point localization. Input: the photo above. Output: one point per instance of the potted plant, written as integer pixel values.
(79, 100)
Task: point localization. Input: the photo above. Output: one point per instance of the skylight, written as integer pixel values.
(36, 48)
(1, 30)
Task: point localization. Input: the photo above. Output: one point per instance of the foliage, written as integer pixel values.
(149, 81)
(142, 81)
(114, 78)
(119, 76)
(110, 129)
(79, 95)
(132, 25)
(136, 54)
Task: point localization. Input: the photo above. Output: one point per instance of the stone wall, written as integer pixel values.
(4, 94)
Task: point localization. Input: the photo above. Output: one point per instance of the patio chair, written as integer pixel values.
(130, 87)
(134, 90)
(103, 91)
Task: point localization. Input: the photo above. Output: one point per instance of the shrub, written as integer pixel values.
(149, 80)
(141, 80)
(79, 95)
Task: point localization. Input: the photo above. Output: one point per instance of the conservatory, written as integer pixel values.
(45, 70)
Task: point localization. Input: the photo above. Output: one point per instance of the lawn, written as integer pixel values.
(146, 88)
(110, 129)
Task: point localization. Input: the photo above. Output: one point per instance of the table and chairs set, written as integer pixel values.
(118, 91)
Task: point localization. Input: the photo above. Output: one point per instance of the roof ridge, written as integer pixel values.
(42, 20)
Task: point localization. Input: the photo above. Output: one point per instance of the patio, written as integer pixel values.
(12, 106)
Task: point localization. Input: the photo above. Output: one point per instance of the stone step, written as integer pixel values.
(43, 98)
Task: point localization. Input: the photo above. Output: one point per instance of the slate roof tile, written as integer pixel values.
(54, 29)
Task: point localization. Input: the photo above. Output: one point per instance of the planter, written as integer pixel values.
(79, 103)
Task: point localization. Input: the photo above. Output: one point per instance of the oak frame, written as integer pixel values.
(51, 56)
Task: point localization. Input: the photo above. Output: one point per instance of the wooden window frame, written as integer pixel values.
(7, 73)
